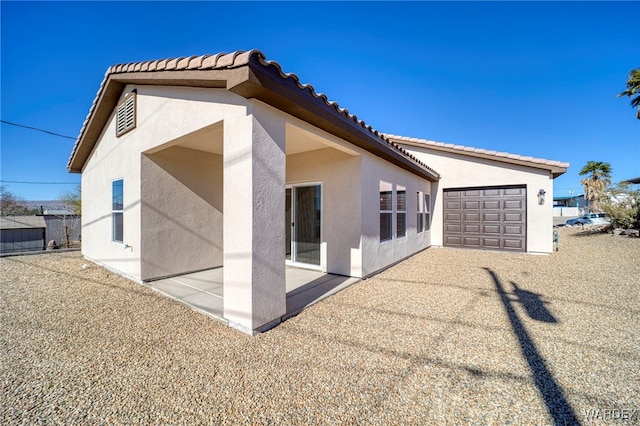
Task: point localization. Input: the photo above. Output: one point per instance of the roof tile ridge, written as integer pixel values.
(231, 60)
(318, 95)
(227, 61)
(211, 61)
(309, 88)
(490, 152)
(184, 61)
(162, 64)
(385, 138)
(172, 64)
(153, 65)
(144, 66)
(89, 115)
(244, 57)
(195, 62)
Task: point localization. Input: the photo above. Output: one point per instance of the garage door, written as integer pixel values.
(492, 218)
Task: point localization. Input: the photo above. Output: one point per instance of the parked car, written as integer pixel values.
(589, 219)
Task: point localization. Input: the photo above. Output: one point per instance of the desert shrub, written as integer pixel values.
(622, 206)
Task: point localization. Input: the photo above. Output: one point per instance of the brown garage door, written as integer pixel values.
(492, 218)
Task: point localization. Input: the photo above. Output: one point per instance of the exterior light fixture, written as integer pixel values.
(541, 195)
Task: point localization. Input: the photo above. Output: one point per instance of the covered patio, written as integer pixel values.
(240, 207)
(204, 291)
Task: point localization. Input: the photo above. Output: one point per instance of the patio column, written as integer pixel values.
(253, 219)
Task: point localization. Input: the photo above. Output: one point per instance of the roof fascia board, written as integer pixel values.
(266, 85)
(97, 120)
(555, 170)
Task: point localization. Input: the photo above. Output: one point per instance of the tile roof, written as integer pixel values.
(233, 60)
(22, 222)
(483, 153)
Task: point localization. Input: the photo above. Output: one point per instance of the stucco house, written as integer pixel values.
(208, 161)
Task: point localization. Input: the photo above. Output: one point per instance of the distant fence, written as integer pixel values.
(59, 227)
(567, 211)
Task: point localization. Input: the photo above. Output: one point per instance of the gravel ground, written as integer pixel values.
(445, 337)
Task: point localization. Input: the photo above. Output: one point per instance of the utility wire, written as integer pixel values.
(40, 183)
(39, 130)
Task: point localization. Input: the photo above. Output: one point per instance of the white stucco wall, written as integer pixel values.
(181, 213)
(378, 254)
(460, 171)
(163, 115)
(340, 175)
(254, 234)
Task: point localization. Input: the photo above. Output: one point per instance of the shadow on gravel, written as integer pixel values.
(589, 232)
(552, 393)
(533, 304)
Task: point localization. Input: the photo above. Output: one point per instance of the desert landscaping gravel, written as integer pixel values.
(444, 337)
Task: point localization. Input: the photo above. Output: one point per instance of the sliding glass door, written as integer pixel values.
(303, 223)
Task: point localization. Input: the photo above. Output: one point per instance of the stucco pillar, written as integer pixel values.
(253, 219)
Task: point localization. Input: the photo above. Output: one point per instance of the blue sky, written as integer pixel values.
(536, 78)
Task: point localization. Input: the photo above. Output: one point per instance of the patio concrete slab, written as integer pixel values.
(174, 288)
(208, 280)
(203, 290)
(314, 291)
(208, 303)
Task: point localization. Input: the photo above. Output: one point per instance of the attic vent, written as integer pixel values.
(126, 114)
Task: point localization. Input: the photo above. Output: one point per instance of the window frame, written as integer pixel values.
(385, 189)
(401, 211)
(117, 212)
(427, 212)
(419, 212)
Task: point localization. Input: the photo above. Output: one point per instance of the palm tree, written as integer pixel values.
(633, 88)
(594, 184)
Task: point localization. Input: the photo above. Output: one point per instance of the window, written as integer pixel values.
(401, 211)
(427, 212)
(117, 210)
(420, 212)
(386, 211)
(126, 114)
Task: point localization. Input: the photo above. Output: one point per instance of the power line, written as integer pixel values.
(39, 130)
(40, 183)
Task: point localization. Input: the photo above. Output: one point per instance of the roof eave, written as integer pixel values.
(255, 80)
(555, 169)
(266, 85)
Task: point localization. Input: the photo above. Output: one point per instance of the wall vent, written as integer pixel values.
(126, 114)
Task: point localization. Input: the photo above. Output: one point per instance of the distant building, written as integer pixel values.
(570, 201)
(571, 205)
(22, 233)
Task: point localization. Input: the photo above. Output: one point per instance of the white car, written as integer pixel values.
(589, 219)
